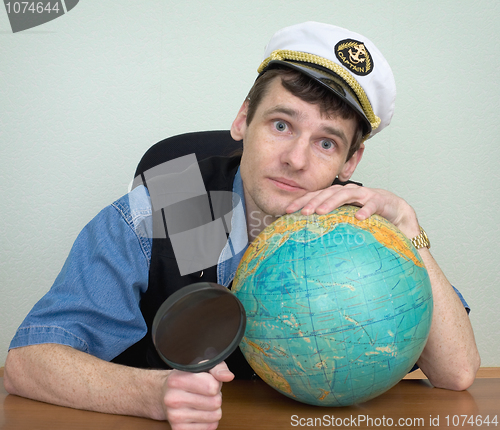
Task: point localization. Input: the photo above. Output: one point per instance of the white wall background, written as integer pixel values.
(82, 97)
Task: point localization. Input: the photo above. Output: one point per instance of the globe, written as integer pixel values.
(338, 310)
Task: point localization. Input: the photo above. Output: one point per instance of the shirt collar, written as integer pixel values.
(237, 242)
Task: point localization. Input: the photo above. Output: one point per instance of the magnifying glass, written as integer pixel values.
(198, 327)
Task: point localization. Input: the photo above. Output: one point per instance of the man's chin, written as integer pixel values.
(274, 204)
(276, 209)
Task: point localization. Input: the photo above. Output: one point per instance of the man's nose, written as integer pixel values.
(297, 154)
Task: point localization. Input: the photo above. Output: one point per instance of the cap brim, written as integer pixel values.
(329, 80)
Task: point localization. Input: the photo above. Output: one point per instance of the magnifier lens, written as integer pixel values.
(198, 326)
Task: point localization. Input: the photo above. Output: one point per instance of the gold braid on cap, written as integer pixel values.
(285, 54)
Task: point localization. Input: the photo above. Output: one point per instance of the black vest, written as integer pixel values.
(164, 277)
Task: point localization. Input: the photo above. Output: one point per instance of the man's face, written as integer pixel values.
(290, 149)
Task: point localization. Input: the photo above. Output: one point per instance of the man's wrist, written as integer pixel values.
(409, 225)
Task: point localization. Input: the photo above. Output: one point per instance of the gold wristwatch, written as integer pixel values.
(421, 240)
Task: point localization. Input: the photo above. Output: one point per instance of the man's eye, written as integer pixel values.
(280, 125)
(326, 144)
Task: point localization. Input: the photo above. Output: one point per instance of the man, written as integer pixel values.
(321, 93)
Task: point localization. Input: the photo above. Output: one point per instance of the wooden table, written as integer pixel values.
(412, 403)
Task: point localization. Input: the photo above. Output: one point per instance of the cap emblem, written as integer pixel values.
(354, 56)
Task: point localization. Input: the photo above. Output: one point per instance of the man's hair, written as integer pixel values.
(310, 91)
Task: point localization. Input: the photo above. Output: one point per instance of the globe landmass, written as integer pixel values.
(338, 310)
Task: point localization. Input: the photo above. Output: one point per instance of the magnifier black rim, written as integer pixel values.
(180, 294)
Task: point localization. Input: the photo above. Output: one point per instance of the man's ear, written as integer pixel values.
(351, 164)
(239, 125)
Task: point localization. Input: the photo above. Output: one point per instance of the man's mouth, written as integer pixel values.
(286, 184)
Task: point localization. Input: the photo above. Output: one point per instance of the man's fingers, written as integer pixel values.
(196, 383)
(366, 211)
(222, 373)
(195, 426)
(188, 418)
(327, 200)
(193, 400)
(182, 400)
(300, 202)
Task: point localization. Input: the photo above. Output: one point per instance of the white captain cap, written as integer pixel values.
(345, 62)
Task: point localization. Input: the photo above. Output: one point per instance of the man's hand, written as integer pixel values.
(194, 400)
(46, 372)
(450, 358)
(370, 200)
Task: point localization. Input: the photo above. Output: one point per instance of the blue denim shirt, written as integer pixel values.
(93, 305)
